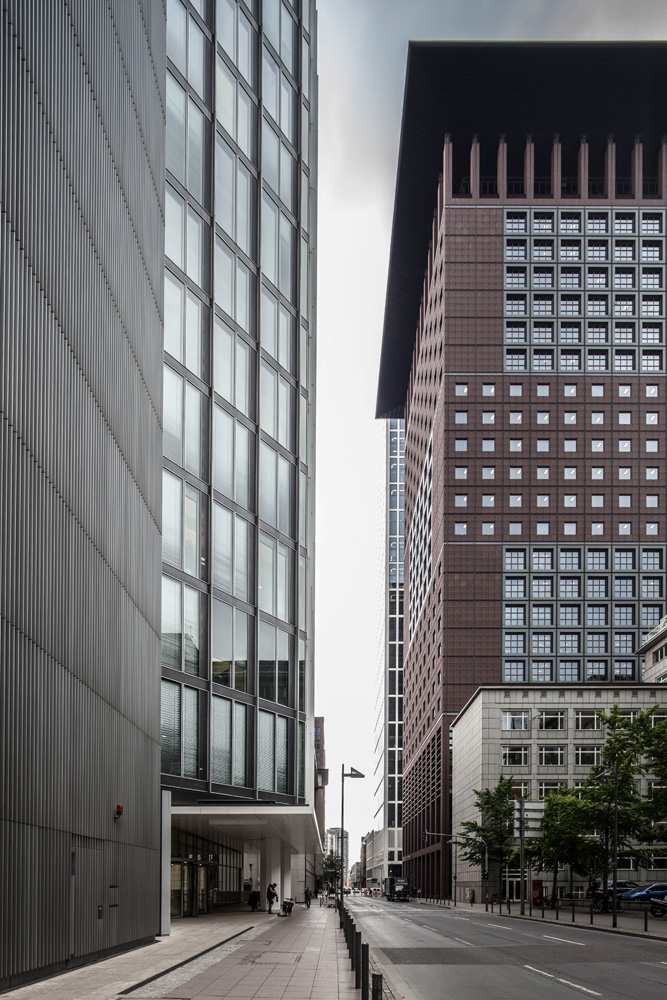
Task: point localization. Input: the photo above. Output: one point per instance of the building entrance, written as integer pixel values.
(512, 885)
(189, 889)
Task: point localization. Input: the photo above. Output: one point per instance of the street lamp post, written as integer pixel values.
(455, 842)
(352, 773)
(614, 864)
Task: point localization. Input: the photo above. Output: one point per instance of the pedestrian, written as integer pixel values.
(419, 894)
(271, 896)
(308, 894)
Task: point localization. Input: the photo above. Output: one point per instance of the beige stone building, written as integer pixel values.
(655, 651)
(542, 736)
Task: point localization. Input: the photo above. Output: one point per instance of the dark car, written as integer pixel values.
(655, 890)
(658, 907)
(624, 885)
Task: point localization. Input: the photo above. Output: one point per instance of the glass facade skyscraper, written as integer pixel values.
(384, 844)
(239, 408)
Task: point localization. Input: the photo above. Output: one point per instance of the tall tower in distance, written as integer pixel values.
(524, 347)
(384, 846)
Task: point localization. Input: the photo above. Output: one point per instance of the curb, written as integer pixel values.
(179, 965)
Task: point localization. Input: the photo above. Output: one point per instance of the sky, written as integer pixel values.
(362, 54)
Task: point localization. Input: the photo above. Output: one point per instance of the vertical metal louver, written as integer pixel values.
(190, 733)
(221, 741)
(266, 759)
(170, 728)
(240, 728)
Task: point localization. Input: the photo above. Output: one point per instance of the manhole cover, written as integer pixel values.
(272, 958)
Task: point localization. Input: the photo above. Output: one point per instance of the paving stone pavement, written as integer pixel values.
(229, 953)
(301, 957)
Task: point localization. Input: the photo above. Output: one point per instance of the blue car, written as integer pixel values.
(655, 890)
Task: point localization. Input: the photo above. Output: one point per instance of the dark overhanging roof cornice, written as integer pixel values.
(489, 89)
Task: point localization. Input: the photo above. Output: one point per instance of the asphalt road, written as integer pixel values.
(445, 954)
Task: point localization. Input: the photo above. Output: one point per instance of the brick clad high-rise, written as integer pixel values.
(524, 347)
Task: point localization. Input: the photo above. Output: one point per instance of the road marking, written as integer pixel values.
(576, 986)
(463, 942)
(503, 927)
(566, 982)
(540, 971)
(564, 940)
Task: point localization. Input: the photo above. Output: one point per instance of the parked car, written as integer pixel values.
(658, 908)
(654, 890)
(624, 885)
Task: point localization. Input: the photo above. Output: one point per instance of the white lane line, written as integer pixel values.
(539, 971)
(564, 940)
(463, 942)
(566, 982)
(503, 927)
(576, 986)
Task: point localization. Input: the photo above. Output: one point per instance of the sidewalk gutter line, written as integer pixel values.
(191, 958)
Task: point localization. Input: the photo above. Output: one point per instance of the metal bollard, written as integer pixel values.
(557, 910)
(377, 986)
(364, 971)
(509, 906)
(542, 909)
(572, 911)
(357, 960)
(591, 914)
(645, 919)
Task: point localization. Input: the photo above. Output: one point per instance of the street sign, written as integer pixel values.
(532, 818)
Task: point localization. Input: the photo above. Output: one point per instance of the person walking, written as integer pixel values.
(271, 896)
(308, 894)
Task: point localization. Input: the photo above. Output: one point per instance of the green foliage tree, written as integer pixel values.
(624, 753)
(578, 824)
(655, 757)
(494, 832)
(331, 865)
(563, 840)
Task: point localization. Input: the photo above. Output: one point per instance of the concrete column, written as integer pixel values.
(662, 169)
(583, 168)
(529, 168)
(285, 872)
(556, 169)
(270, 866)
(475, 167)
(610, 169)
(447, 164)
(502, 170)
(165, 865)
(637, 170)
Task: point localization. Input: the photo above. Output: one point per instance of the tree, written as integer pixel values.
(495, 832)
(578, 824)
(563, 838)
(331, 868)
(655, 754)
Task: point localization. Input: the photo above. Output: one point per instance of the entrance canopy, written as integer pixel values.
(295, 826)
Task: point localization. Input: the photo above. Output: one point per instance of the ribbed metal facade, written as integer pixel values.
(81, 244)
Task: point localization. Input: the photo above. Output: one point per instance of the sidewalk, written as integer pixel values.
(301, 957)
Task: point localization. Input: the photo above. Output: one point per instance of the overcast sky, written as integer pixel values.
(362, 60)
